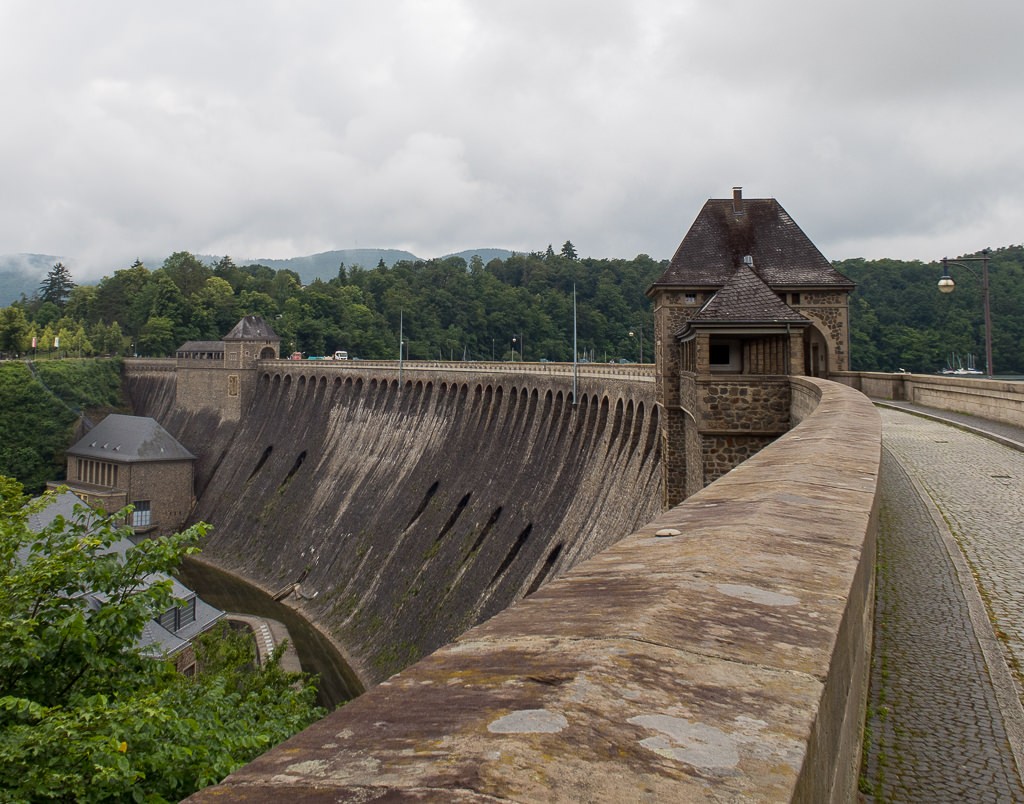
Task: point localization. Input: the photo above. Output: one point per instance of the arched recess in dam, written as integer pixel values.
(397, 514)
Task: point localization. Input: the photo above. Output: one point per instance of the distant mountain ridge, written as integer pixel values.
(20, 274)
(325, 265)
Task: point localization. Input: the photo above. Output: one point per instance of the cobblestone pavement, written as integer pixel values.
(945, 722)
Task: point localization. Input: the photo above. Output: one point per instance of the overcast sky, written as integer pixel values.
(279, 128)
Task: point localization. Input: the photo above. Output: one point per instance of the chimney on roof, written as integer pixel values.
(737, 200)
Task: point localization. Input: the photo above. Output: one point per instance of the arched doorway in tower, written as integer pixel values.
(268, 353)
(816, 353)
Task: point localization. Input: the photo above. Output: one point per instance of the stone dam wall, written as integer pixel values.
(396, 509)
(726, 659)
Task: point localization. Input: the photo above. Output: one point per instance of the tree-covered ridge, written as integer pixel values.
(448, 308)
(40, 403)
(444, 308)
(899, 319)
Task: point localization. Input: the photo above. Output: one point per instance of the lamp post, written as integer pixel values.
(640, 351)
(947, 285)
(518, 338)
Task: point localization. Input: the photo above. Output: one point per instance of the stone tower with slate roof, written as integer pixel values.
(746, 301)
(220, 376)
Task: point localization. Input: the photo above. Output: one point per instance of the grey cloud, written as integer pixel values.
(886, 129)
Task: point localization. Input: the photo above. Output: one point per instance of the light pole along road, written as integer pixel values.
(947, 285)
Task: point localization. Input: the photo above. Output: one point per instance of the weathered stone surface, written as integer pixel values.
(725, 663)
(407, 512)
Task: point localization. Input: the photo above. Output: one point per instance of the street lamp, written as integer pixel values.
(640, 352)
(520, 339)
(947, 285)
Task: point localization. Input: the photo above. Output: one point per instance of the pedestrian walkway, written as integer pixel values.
(945, 722)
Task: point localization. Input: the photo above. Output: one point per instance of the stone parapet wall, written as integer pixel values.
(143, 365)
(997, 400)
(449, 370)
(726, 661)
(742, 405)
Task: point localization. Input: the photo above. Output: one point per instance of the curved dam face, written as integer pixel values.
(397, 515)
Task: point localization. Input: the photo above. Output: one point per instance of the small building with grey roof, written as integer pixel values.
(133, 460)
(168, 635)
(218, 377)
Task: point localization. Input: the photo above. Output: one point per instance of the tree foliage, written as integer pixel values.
(899, 319)
(84, 714)
(452, 310)
(39, 406)
(57, 286)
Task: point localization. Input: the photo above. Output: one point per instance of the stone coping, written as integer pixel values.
(726, 661)
(996, 400)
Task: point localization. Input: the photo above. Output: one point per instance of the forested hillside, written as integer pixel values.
(40, 404)
(518, 308)
(444, 308)
(901, 320)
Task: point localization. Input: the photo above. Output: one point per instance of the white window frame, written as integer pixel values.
(142, 516)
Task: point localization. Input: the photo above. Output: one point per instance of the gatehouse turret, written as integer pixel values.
(746, 301)
(221, 375)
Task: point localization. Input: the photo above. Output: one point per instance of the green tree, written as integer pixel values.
(122, 298)
(187, 272)
(84, 714)
(157, 337)
(569, 250)
(57, 285)
(14, 330)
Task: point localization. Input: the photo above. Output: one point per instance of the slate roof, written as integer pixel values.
(202, 346)
(727, 230)
(252, 328)
(744, 298)
(129, 439)
(155, 639)
(63, 505)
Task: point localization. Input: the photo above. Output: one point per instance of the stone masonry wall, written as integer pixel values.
(832, 314)
(753, 405)
(722, 453)
(720, 652)
(740, 416)
(410, 509)
(169, 486)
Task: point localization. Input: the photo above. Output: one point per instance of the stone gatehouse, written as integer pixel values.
(220, 375)
(746, 301)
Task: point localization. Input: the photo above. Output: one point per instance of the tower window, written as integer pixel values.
(724, 354)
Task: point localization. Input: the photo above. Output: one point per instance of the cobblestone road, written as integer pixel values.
(945, 723)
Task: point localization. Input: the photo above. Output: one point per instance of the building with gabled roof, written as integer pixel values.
(746, 301)
(219, 376)
(133, 460)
